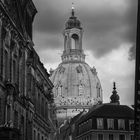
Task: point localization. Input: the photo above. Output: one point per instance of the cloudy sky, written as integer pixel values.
(108, 41)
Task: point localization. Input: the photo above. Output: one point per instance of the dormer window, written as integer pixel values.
(131, 125)
(99, 123)
(110, 123)
(121, 124)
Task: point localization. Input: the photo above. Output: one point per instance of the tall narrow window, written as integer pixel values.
(81, 89)
(8, 113)
(34, 135)
(121, 124)
(110, 123)
(16, 119)
(98, 90)
(46, 110)
(6, 65)
(72, 43)
(38, 136)
(59, 90)
(131, 137)
(99, 123)
(38, 102)
(100, 136)
(22, 125)
(42, 107)
(131, 125)
(14, 71)
(121, 137)
(111, 137)
(0, 109)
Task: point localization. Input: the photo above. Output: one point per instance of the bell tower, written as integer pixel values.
(73, 33)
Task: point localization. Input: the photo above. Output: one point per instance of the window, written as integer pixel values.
(99, 123)
(8, 113)
(46, 111)
(34, 135)
(38, 137)
(131, 137)
(110, 123)
(111, 137)
(6, 65)
(42, 107)
(131, 125)
(16, 119)
(100, 136)
(14, 71)
(121, 137)
(0, 104)
(121, 124)
(59, 91)
(98, 90)
(22, 125)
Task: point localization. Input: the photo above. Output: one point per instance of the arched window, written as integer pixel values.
(39, 102)
(38, 137)
(6, 65)
(14, 71)
(42, 107)
(74, 41)
(98, 90)
(81, 89)
(34, 135)
(59, 90)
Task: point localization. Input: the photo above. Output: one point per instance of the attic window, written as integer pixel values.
(99, 123)
(121, 124)
(110, 123)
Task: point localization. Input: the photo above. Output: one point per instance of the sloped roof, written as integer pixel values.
(110, 111)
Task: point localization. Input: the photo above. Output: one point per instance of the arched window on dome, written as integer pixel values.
(59, 90)
(98, 90)
(81, 89)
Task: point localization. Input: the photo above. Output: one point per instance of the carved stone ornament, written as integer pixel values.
(79, 69)
(93, 70)
(61, 69)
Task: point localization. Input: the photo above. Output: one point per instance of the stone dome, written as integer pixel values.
(76, 87)
(76, 83)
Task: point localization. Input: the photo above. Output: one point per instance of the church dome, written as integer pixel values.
(76, 85)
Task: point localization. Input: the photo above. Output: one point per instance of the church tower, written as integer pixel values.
(76, 85)
(73, 33)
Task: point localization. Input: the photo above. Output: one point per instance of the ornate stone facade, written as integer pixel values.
(26, 102)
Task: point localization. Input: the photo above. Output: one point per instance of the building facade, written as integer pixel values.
(110, 121)
(76, 84)
(137, 78)
(27, 111)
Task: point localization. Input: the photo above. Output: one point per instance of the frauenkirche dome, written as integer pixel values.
(76, 84)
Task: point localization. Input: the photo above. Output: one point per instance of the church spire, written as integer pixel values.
(114, 97)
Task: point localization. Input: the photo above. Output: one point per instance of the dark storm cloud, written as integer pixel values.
(105, 26)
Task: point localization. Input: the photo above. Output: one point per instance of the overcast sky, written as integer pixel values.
(108, 40)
